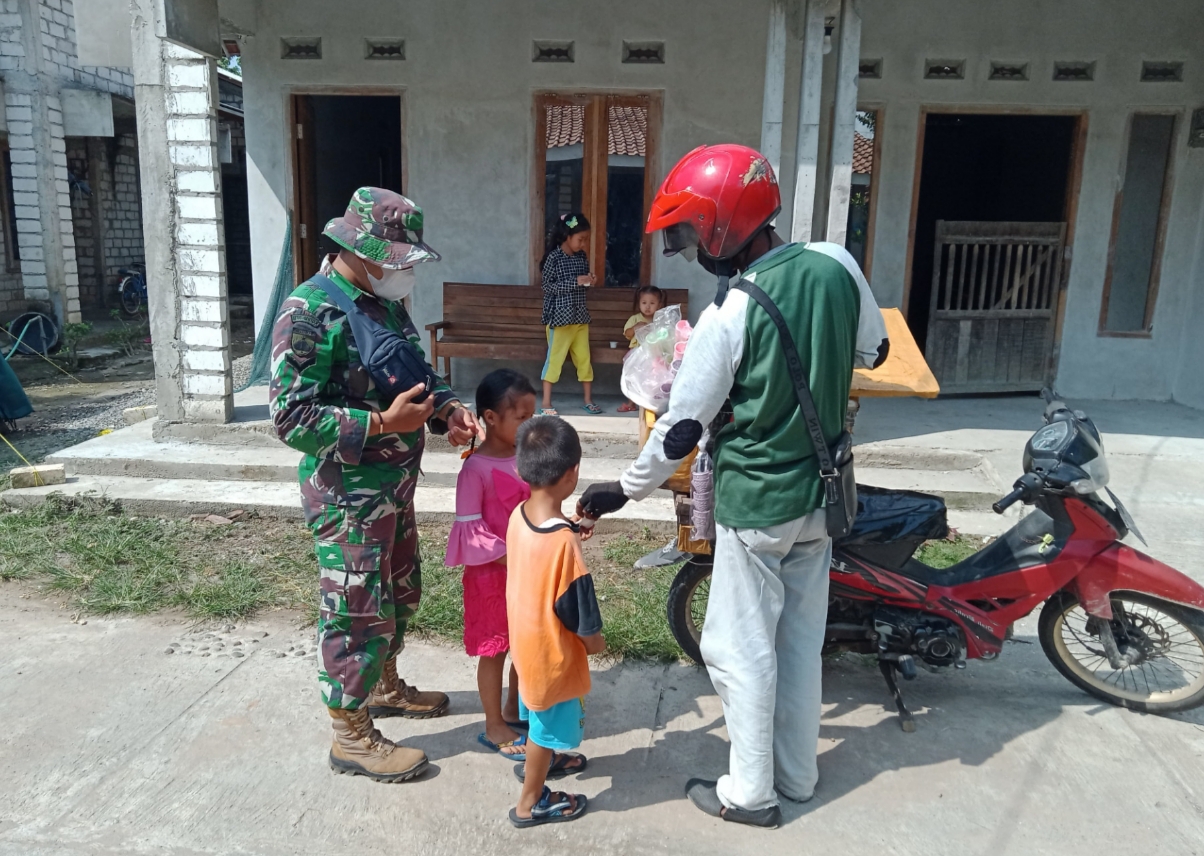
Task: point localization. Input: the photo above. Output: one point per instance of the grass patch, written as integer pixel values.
(944, 553)
(102, 561)
(106, 562)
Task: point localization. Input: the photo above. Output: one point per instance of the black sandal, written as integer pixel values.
(705, 797)
(559, 768)
(553, 807)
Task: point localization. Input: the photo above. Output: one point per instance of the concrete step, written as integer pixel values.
(133, 452)
(182, 497)
(965, 480)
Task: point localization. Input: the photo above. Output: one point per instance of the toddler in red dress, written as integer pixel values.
(488, 489)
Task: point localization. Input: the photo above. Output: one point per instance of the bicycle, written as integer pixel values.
(131, 289)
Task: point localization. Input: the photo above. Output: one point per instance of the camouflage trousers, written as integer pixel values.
(370, 584)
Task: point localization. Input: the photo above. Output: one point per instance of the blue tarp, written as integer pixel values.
(14, 403)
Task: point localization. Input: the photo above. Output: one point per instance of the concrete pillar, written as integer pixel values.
(41, 195)
(844, 121)
(775, 86)
(806, 157)
(175, 92)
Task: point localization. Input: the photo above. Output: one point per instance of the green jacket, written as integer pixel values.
(765, 467)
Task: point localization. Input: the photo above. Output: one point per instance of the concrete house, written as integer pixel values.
(1025, 180)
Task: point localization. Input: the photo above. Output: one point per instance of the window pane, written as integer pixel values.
(626, 140)
(1140, 214)
(863, 176)
(565, 134)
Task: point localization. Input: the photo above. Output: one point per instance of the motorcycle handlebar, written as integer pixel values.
(1008, 501)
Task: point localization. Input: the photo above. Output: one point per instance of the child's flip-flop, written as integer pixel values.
(521, 740)
(559, 768)
(553, 807)
(548, 411)
(627, 407)
(591, 408)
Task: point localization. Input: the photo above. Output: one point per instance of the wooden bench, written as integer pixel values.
(501, 322)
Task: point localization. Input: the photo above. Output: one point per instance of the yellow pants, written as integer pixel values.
(573, 341)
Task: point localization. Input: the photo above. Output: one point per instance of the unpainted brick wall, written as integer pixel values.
(116, 181)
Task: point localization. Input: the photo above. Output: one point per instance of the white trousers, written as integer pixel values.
(761, 643)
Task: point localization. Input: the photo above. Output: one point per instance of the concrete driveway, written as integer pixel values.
(110, 745)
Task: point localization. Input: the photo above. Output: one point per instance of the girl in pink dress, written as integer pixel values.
(487, 491)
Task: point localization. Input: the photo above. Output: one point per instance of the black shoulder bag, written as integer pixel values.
(835, 461)
(390, 358)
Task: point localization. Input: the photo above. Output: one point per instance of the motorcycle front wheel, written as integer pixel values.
(131, 299)
(1164, 642)
(687, 607)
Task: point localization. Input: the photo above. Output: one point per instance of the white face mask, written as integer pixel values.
(394, 284)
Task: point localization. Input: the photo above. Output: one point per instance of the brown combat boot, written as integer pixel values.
(393, 697)
(360, 750)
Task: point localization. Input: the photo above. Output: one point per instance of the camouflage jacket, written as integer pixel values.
(321, 395)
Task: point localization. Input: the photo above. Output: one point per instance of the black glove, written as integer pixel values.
(602, 498)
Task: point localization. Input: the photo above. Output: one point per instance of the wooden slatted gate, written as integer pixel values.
(995, 291)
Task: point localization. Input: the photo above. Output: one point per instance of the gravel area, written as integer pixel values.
(241, 370)
(90, 413)
(59, 422)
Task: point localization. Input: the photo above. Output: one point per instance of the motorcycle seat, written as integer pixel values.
(1025, 545)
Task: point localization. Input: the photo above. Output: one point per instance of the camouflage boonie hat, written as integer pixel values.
(383, 227)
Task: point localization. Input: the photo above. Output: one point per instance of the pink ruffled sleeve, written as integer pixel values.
(471, 542)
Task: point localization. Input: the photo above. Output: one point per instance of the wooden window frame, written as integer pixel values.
(593, 173)
(1164, 210)
(879, 110)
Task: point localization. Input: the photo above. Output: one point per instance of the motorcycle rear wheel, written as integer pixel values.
(687, 605)
(1169, 676)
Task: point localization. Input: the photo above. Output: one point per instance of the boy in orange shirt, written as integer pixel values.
(553, 618)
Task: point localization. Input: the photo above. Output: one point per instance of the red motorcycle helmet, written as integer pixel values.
(717, 198)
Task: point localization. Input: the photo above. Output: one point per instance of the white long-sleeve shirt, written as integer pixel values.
(709, 367)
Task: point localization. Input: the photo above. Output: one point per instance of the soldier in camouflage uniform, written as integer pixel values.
(358, 476)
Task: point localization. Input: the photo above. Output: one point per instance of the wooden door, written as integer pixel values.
(305, 214)
(995, 289)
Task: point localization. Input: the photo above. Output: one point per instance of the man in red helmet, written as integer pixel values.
(769, 590)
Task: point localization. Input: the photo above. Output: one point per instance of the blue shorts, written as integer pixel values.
(558, 728)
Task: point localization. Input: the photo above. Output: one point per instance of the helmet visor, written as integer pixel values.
(680, 237)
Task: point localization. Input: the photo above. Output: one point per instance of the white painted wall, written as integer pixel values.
(469, 84)
(1118, 35)
(469, 81)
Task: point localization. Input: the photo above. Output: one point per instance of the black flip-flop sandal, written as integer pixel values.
(559, 768)
(551, 808)
(705, 797)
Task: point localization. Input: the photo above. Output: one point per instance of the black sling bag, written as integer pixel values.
(835, 461)
(391, 359)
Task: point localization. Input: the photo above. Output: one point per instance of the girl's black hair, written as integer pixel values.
(648, 289)
(565, 225)
(500, 386)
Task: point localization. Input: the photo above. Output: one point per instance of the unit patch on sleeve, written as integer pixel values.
(305, 336)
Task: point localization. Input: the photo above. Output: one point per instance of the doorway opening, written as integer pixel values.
(987, 258)
(343, 142)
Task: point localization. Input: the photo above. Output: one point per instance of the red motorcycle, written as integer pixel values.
(1116, 623)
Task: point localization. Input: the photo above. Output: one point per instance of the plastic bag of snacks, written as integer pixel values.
(649, 370)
